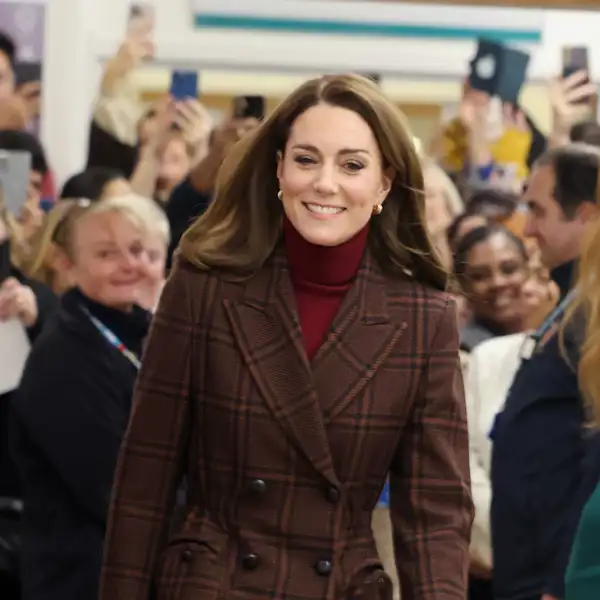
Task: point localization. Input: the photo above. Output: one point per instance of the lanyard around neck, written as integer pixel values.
(112, 339)
(532, 341)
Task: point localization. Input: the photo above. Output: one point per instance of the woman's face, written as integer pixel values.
(496, 271)
(331, 175)
(437, 211)
(174, 163)
(109, 261)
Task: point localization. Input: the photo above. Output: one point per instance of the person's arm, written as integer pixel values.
(68, 403)
(430, 496)
(47, 306)
(153, 453)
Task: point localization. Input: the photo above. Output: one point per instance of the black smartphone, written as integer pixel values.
(4, 260)
(184, 84)
(574, 58)
(249, 107)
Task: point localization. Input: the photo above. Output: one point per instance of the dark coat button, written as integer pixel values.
(258, 486)
(250, 561)
(323, 567)
(187, 555)
(332, 494)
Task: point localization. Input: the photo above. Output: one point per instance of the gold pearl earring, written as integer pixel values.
(280, 195)
(377, 208)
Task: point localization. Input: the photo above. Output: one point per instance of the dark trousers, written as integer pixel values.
(480, 589)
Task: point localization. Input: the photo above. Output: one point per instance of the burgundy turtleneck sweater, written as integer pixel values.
(321, 276)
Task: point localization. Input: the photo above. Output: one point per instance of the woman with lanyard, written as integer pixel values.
(74, 401)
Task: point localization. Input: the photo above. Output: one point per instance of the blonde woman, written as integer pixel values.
(302, 351)
(30, 302)
(156, 243)
(47, 263)
(74, 401)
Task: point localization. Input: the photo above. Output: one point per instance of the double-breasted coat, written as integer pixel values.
(284, 459)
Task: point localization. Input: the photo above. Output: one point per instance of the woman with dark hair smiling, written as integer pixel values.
(312, 351)
(492, 266)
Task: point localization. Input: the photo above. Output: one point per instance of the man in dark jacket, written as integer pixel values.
(544, 463)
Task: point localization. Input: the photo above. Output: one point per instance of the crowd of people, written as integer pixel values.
(242, 332)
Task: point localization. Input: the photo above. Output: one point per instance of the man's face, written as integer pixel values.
(557, 237)
(7, 77)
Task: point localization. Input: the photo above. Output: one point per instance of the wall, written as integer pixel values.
(83, 33)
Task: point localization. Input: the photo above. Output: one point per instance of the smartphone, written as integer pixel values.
(249, 107)
(14, 179)
(4, 260)
(141, 21)
(184, 84)
(574, 58)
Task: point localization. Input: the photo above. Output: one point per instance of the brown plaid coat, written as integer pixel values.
(285, 460)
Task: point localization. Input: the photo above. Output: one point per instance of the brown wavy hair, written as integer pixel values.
(242, 226)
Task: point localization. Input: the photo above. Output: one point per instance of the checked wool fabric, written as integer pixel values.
(284, 458)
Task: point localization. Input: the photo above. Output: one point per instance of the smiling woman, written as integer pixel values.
(87, 362)
(312, 352)
(492, 266)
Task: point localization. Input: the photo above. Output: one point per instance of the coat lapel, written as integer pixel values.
(359, 341)
(266, 328)
(303, 397)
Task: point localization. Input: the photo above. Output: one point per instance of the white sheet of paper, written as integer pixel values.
(14, 350)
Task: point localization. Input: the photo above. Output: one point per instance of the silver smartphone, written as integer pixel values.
(14, 179)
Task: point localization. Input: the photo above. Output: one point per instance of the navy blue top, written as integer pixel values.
(544, 467)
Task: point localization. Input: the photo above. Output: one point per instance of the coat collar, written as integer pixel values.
(304, 397)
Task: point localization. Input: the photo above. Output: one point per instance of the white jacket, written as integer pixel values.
(491, 368)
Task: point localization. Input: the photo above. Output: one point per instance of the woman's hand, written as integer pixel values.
(195, 123)
(17, 301)
(567, 99)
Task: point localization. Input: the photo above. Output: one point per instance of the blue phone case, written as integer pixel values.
(184, 84)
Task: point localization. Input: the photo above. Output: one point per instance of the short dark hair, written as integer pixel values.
(22, 141)
(453, 228)
(587, 132)
(493, 203)
(478, 235)
(8, 47)
(576, 173)
(90, 183)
